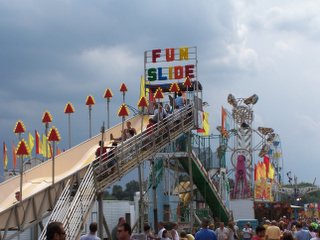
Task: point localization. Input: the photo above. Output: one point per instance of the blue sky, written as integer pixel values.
(52, 52)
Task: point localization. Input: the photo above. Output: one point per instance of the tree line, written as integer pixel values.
(118, 193)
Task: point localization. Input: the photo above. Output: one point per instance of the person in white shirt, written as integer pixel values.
(161, 229)
(165, 235)
(159, 113)
(247, 232)
(93, 233)
(148, 234)
(174, 232)
(222, 233)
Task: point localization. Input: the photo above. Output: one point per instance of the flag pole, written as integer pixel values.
(90, 130)
(108, 113)
(21, 176)
(142, 103)
(47, 145)
(69, 129)
(89, 102)
(53, 165)
(53, 137)
(108, 96)
(68, 109)
(21, 151)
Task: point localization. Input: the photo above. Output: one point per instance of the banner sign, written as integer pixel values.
(170, 64)
(262, 190)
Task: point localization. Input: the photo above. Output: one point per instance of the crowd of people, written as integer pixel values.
(283, 229)
(122, 231)
(160, 111)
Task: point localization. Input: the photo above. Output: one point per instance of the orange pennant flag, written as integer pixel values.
(5, 157)
(58, 151)
(223, 122)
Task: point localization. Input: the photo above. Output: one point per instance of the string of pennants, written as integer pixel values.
(36, 146)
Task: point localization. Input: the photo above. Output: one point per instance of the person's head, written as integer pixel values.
(55, 231)
(151, 121)
(287, 236)
(267, 221)
(146, 227)
(318, 232)
(175, 226)
(205, 223)
(165, 234)
(17, 195)
(221, 225)
(231, 225)
(183, 234)
(311, 228)
(100, 143)
(121, 220)
(160, 225)
(128, 124)
(124, 231)
(179, 94)
(299, 225)
(93, 227)
(260, 231)
(274, 223)
(211, 226)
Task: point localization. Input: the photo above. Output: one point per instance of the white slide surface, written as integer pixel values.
(67, 163)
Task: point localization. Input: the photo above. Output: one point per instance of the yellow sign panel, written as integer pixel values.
(262, 190)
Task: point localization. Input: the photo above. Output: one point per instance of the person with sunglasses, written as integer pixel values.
(55, 231)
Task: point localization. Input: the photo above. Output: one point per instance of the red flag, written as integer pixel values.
(38, 147)
(255, 172)
(14, 156)
(266, 161)
(151, 98)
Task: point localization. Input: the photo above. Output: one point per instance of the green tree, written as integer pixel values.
(131, 188)
(117, 192)
(108, 196)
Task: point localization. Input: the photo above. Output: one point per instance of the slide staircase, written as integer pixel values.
(141, 147)
(72, 209)
(79, 166)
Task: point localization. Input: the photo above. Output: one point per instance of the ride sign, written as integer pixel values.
(170, 64)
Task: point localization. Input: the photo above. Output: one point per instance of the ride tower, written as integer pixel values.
(241, 157)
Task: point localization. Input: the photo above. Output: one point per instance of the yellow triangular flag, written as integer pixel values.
(30, 142)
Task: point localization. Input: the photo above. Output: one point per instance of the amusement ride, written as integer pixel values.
(191, 173)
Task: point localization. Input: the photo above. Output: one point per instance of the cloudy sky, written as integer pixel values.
(52, 52)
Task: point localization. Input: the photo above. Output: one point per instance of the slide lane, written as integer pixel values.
(67, 163)
(206, 187)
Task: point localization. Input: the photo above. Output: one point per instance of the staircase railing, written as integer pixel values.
(126, 156)
(60, 209)
(73, 211)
